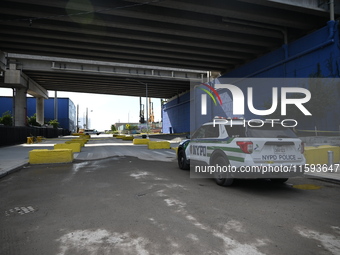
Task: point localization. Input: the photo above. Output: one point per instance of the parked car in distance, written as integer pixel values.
(91, 131)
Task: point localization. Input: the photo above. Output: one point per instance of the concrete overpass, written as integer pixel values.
(93, 46)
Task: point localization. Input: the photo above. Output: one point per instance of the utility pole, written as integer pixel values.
(146, 103)
(87, 119)
(77, 130)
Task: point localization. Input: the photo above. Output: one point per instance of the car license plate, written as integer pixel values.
(279, 149)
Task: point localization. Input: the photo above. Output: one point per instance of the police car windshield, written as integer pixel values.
(269, 131)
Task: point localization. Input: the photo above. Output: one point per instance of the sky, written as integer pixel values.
(104, 110)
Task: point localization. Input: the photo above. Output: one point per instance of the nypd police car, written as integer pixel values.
(237, 148)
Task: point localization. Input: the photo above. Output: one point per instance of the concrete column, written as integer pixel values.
(20, 118)
(40, 110)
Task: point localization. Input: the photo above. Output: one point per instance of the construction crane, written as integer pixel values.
(141, 112)
(151, 112)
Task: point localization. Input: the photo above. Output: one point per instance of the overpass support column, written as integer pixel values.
(40, 110)
(20, 106)
(24, 85)
(13, 77)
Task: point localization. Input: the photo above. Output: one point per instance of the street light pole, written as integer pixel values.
(146, 103)
(147, 110)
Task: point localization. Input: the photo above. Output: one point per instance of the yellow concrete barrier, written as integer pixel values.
(319, 155)
(39, 139)
(80, 141)
(158, 145)
(128, 138)
(75, 147)
(120, 136)
(140, 141)
(29, 140)
(50, 156)
(86, 137)
(82, 135)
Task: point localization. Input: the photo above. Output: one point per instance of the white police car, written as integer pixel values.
(237, 148)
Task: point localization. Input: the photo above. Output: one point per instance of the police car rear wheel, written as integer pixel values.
(222, 178)
(182, 160)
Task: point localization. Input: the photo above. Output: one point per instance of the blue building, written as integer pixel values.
(315, 55)
(66, 110)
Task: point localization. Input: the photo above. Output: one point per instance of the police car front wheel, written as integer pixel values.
(182, 160)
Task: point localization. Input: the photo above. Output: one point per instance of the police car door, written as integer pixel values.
(200, 141)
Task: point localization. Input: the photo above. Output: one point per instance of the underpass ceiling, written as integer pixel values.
(113, 85)
(190, 34)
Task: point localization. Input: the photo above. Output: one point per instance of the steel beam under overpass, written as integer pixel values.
(2, 61)
(192, 34)
(44, 63)
(89, 76)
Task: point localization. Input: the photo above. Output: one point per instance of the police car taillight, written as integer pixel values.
(302, 148)
(219, 117)
(246, 147)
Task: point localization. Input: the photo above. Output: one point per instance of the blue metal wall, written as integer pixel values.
(6, 104)
(176, 115)
(316, 53)
(300, 58)
(66, 110)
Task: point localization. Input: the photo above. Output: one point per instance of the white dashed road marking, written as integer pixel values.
(328, 241)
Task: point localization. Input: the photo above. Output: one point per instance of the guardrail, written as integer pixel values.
(317, 132)
(16, 135)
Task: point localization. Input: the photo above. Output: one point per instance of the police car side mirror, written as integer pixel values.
(187, 136)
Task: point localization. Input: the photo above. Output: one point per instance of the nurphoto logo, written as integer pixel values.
(239, 99)
(204, 98)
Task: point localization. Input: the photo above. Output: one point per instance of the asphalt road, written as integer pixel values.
(125, 205)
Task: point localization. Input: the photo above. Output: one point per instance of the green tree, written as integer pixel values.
(33, 120)
(6, 119)
(113, 128)
(54, 123)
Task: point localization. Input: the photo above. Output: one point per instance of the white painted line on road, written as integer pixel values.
(193, 237)
(139, 175)
(101, 241)
(159, 153)
(336, 229)
(328, 241)
(231, 245)
(172, 152)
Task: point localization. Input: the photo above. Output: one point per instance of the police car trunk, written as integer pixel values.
(269, 145)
